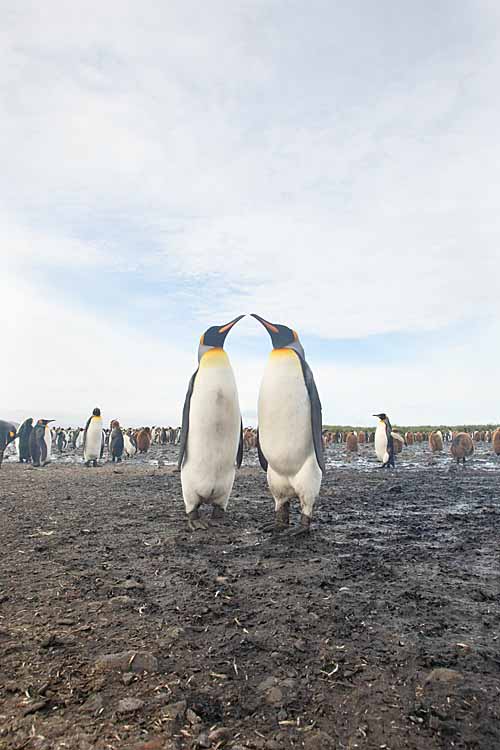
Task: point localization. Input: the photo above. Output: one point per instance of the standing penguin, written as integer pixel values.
(23, 434)
(384, 442)
(92, 439)
(7, 435)
(41, 443)
(211, 441)
(116, 443)
(289, 437)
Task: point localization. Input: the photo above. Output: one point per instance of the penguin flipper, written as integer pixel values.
(185, 420)
(85, 432)
(239, 455)
(262, 458)
(316, 414)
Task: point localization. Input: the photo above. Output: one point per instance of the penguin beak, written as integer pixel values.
(270, 327)
(226, 328)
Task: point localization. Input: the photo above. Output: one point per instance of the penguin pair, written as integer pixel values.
(211, 443)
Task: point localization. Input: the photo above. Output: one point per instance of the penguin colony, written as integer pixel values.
(212, 439)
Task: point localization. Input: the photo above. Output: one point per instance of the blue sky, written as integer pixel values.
(335, 167)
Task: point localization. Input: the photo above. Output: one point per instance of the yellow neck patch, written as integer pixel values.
(214, 358)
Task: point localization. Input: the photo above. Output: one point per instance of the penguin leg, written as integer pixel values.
(195, 522)
(94, 463)
(307, 484)
(281, 518)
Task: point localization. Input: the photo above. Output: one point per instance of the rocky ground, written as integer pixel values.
(120, 629)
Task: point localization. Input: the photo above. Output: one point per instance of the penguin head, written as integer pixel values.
(45, 422)
(282, 337)
(96, 412)
(214, 337)
(381, 416)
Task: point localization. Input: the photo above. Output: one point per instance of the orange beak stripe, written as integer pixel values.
(270, 327)
(226, 327)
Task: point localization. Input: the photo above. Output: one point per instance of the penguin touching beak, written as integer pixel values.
(294, 463)
(215, 336)
(282, 337)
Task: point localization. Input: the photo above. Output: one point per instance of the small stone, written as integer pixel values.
(173, 633)
(94, 704)
(274, 696)
(157, 743)
(219, 735)
(319, 741)
(192, 717)
(266, 684)
(128, 661)
(130, 583)
(175, 710)
(129, 705)
(443, 674)
(119, 602)
(282, 715)
(127, 678)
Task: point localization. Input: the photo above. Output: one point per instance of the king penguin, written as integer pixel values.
(384, 442)
(41, 442)
(92, 438)
(7, 435)
(23, 434)
(211, 443)
(289, 438)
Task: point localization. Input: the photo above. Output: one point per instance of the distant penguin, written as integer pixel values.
(23, 434)
(143, 440)
(116, 441)
(93, 437)
(384, 443)
(462, 447)
(129, 446)
(496, 442)
(211, 442)
(41, 443)
(61, 440)
(7, 435)
(290, 444)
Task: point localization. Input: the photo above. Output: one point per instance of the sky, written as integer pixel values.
(331, 166)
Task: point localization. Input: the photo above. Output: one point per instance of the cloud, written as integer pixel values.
(336, 170)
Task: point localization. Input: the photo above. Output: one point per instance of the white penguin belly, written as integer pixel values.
(93, 439)
(214, 429)
(47, 436)
(381, 443)
(285, 429)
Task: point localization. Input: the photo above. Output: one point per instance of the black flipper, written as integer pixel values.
(185, 420)
(85, 432)
(262, 458)
(390, 444)
(239, 455)
(316, 415)
(43, 447)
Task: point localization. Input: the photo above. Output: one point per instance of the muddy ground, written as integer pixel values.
(120, 629)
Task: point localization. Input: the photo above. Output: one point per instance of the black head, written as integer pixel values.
(96, 412)
(281, 335)
(216, 335)
(45, 422)
(381, 416)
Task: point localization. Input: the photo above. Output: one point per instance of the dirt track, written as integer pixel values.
(380, 630)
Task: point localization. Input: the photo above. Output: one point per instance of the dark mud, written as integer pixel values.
(380, 630)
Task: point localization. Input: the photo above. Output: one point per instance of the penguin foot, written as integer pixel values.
(195, 523)
(303, 528)
(218, 515)
(281, 521)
